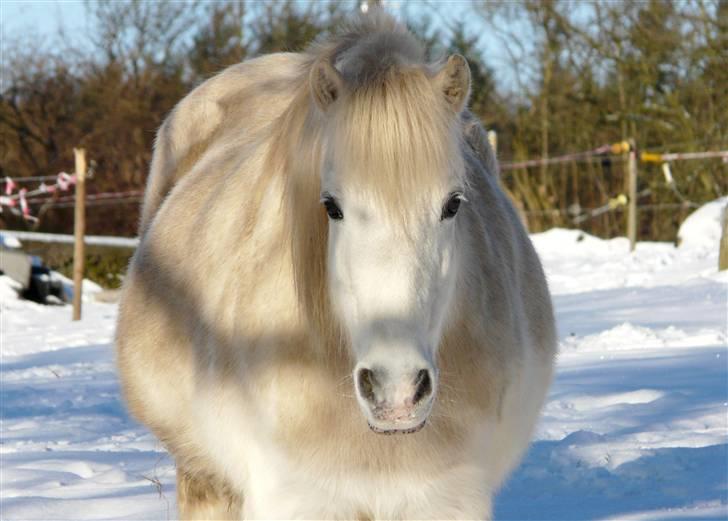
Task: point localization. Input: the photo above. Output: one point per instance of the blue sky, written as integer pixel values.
(39, 22)
(41, 17)
(45, 17)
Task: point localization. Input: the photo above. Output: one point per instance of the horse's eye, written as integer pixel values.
(332, 208)
(451, 206)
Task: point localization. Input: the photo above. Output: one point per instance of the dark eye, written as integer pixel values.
(332, 208)
(451, 206)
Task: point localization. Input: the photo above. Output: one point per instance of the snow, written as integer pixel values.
(635, 425)
(9, 241)
(92, 240)
(703, 227)
(68, 449)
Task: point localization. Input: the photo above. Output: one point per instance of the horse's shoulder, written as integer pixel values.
(205, 105)
(234, 102)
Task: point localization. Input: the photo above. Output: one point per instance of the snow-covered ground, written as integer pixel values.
(635, 427)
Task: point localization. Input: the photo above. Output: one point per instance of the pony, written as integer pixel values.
(334, 311)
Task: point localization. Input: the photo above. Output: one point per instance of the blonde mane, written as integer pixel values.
(399, 140)
(392, 128)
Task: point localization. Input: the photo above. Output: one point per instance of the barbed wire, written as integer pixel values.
(24, 198)
(89, 197)
(31, 179)
(590, 213)
(651, 157)
(63, 182)
(607, 152)
(108, 202)
(7, 180)
(19, 202)
(588, 155)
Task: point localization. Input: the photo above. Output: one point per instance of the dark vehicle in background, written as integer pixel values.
(36, 280)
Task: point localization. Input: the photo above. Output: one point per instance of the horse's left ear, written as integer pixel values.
(454, 82)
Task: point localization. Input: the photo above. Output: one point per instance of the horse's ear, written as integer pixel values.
(326, 83)
(454, 82)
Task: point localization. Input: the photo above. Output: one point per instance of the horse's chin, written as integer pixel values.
(393, 430)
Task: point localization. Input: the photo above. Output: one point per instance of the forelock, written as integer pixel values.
(394, 138)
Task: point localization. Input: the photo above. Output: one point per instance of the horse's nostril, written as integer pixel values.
(423, 386)
(367, 381)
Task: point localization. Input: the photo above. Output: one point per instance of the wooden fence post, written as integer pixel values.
(79, 228)
(493, 140)
(723, 256)
(632, 195)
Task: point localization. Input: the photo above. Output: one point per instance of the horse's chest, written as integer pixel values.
(281, 488)
(297, 446)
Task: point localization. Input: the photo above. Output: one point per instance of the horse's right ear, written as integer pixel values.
(326, 83)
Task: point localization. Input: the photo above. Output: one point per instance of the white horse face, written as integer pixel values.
(392, 268)
(391, 285)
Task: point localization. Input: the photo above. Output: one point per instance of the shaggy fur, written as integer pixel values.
(228, 348)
